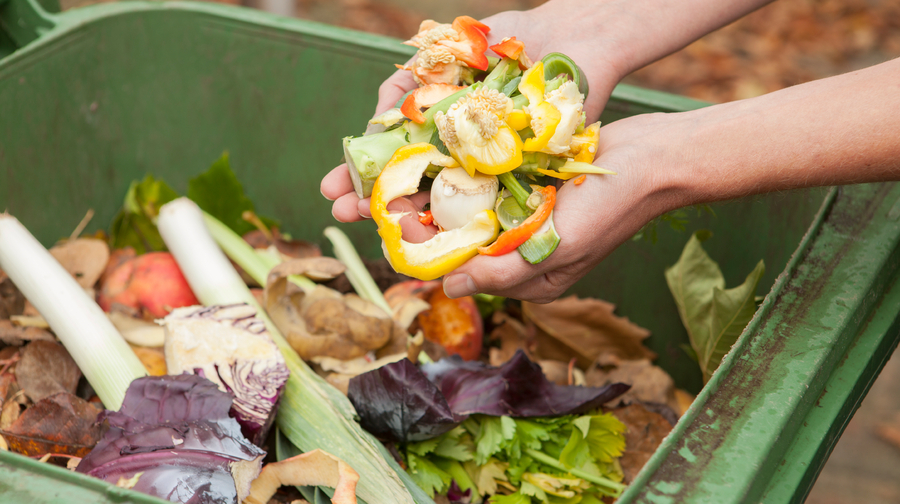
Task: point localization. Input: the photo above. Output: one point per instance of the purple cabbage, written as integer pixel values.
(230, 346)
(400, 402)
(175, 436)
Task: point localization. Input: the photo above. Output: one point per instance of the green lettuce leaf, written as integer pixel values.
(713, 316)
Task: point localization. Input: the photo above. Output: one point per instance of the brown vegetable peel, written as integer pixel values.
(321, 321)
(315, 468)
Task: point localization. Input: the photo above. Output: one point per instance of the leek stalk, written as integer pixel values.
(312, 413)
(254, 264)
(95, 345)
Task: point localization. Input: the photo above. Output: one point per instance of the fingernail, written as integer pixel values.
(363, 209)
(459, 285)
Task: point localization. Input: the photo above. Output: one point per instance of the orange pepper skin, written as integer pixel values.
(426, 218)
(509, 48)
(580, 180)
(425, 96)
(511, 239)
(472, 42)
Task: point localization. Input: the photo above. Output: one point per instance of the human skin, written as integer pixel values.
(839, 130)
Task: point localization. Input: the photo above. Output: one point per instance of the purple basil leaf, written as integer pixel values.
(177, 433)
(518, 388)
(396, 402)
(456, 495)
(400, 402)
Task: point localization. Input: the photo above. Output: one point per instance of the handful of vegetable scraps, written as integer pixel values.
(490, 135)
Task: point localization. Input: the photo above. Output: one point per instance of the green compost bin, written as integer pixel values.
(93, 98)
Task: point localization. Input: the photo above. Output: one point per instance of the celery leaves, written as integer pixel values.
(713, 316)
(524, 461)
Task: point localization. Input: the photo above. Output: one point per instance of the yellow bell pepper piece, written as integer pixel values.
(476, 133)
(445, 251)
(556, 174)
(544, 120)
(532, 83)
(518, 120)
(584, 145)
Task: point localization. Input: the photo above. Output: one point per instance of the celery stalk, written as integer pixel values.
(101, 353)
(367, 155)
(312, 413)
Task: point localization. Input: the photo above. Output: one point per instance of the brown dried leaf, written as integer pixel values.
(11, 411)
(8, 386)
(316, 468)
(584, 329)
(61, 423)
(12, 302)
(645, 431)
(46, 368)
(84, 258)
(12, 334)
(316, 268)
(649, 383)
(562, 373)
(513, 336)
(323, 322)
(289, 249)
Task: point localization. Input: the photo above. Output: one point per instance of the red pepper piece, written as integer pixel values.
(472, 42)
(511, 239)
(426, 218)
(509, 48)
(462, 21)
(425, 96)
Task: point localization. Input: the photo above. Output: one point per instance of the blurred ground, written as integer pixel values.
(785, 43)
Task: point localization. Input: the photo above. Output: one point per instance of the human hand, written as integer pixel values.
(546, 29)
(592, 218)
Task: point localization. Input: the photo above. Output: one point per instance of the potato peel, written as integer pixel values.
(315, 468)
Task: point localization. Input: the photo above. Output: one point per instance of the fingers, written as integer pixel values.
(345, 208)
(336, 183)
(508, 275)
(413, 230)
(393, 89)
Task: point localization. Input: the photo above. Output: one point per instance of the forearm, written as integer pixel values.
(840, 130)
(631, 34)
